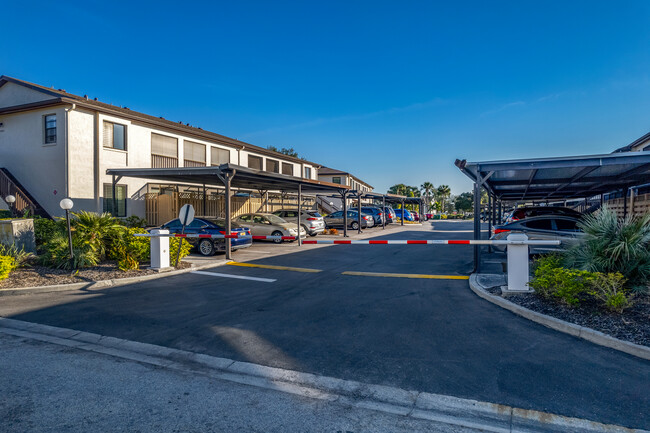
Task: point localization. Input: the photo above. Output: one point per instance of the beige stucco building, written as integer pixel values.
(54, 144)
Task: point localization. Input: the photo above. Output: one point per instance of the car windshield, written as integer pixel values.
(314, 214)
(275, 219)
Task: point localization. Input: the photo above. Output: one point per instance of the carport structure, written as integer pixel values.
(543, 180)
(230, 176)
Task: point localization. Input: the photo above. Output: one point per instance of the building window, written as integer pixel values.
(50, 128)
(114, 136)
(272, 166)
(193, 154)
(336, 179)
(219, 156)
(255, 162)
(164, 151)
(307, 172)
(287, 168)
(120, 192)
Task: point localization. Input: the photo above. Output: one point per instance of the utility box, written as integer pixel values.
(19, 232)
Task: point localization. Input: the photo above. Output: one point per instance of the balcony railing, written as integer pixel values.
(190, 163)
(159, 161)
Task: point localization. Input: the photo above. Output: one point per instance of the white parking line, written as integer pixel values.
(239, 277)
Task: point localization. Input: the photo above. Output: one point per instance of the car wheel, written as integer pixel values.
(354, 225)
(277, 233)
(206, 247)
(312, 234)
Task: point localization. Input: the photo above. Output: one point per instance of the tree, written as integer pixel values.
(464, 202)
(427, 189)
(443, 192)
(285, 151)
(398, 189)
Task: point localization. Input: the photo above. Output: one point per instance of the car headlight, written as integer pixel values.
(292, 231)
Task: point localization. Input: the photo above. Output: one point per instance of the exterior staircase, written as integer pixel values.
(323, 204)
(25, 203)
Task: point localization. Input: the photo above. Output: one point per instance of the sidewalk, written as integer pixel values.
(48, 388)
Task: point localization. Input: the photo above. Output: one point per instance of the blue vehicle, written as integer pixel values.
(408, 216)
(210, 226)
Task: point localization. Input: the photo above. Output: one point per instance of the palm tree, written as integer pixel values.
(443, 192)
(427, 192)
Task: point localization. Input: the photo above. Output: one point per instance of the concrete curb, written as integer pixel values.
(419, 405)
(585, 333)
(103, 284)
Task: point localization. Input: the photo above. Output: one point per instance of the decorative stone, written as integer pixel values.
(19, 232)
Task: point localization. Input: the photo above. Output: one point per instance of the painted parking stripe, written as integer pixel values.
(389, 275)
(278, 268)
(238, 277)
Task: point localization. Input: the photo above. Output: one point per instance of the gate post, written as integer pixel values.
(518, 275)
(159, 249)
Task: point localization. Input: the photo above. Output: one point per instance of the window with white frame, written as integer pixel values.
(120, 203)
(272, 165)
(255, 162)
(287, 168)
(307, 172)
(164, 151)
(336, 179)
(193, 154)
(49, 123)
(219, 156)
(114, 135)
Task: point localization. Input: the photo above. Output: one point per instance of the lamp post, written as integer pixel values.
(66, 204)
(10, 199)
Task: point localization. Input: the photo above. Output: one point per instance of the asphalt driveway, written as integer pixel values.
(421, 334)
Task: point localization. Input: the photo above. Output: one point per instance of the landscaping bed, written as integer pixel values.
(37, 275)
(632, 325)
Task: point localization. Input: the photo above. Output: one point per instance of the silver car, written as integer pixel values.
(267, 224)
(548, 227)
(310, 220)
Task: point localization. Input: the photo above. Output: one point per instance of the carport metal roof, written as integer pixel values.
(241, 177)
(559, 178)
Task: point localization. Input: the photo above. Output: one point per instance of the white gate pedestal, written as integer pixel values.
(518, 272)
(159, 249)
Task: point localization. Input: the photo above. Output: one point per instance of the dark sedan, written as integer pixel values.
(547, 227)
(210, 226)
(336, 220)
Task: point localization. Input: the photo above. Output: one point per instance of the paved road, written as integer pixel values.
(425, 335)
(48, 388)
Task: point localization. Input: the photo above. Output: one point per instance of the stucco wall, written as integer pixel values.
(12, 94)
(37, 166)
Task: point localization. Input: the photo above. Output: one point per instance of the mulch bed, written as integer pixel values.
(633, 325)
(37, 275)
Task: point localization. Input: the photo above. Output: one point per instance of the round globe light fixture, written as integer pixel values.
(66, 204)
(10, 199)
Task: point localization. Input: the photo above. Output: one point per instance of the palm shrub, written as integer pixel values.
(612, 245)
(96, 230)
(56, 253)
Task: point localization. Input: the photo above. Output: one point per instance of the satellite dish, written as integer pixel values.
(186, 214)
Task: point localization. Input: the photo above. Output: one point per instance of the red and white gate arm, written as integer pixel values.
(428, 242)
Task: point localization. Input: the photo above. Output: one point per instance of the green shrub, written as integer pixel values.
(173, 249)
(21, 256)
(612, 245)
(130, 250)
(46, 228)
(134, 221)
(96, 230)
(610, 290)
(7, 264)
(5, 214)
(56, 253)
(551, 281)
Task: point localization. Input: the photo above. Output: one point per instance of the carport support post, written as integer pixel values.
(383, 209)
(403, 212)
(299, 211)
(477, 225)
(359, 211)
(228, 178)
(344, 194)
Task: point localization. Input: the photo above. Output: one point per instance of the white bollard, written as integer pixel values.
(518, 275)
(159, 248)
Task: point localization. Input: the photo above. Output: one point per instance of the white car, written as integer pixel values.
(310, 220)
(267, 224)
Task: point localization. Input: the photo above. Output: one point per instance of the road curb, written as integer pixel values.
(103, 284)
(585, 333)
(418, 405)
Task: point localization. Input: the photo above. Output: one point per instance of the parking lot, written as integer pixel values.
(318, 309)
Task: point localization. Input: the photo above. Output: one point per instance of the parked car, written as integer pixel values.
(376, 213)
(267, 224)
(407, 214)
(390, 215)
(533, 211)
(310, 220)
(210, 226)
(428, 216)
(335, 220)
(546, 227)
(416, 216)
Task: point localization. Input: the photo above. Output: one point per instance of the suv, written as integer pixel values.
(310, 220)
(376, 213)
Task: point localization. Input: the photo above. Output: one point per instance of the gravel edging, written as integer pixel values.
(588, 334)
(103, 284)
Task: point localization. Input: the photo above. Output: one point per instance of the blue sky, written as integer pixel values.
(391, 91)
